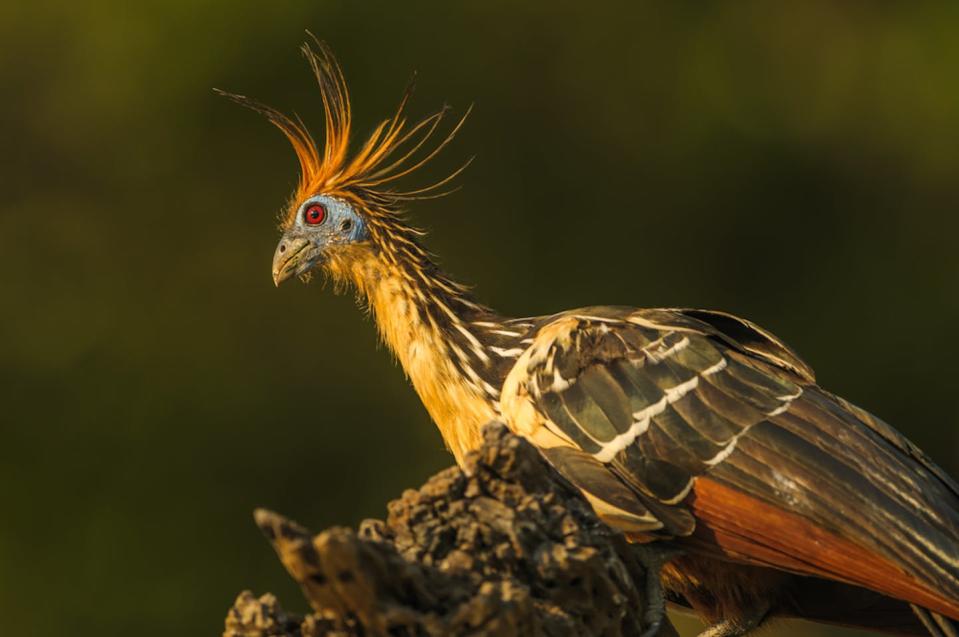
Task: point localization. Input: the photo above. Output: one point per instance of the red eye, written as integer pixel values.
(315, 214)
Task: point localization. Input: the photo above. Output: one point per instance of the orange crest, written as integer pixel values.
(368, 173)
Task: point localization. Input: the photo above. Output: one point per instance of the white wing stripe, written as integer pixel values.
(655, 354)
(609, 450)
(715, 369)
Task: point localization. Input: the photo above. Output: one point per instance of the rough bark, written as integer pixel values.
(503, 548)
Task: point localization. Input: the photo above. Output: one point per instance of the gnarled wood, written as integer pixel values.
(504, 547)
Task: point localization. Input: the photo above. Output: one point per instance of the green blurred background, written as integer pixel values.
(795, 163)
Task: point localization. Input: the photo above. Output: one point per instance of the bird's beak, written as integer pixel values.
(291, 258)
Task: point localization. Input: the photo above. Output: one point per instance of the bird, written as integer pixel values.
(692, 428)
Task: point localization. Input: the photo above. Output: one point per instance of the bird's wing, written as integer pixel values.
(699, 424)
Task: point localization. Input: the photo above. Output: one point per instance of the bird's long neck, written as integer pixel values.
(447, 344)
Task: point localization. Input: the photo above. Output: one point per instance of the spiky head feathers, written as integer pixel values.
(395, 148)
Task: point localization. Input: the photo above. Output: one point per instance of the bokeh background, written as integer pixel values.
(795, 163)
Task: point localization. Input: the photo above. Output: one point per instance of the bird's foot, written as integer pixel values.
(653, 557)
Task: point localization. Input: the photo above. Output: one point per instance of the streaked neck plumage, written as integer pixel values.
(455, 351)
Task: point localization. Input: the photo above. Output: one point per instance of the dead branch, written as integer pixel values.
(504, 548)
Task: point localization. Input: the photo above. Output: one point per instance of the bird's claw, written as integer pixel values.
(653, 557)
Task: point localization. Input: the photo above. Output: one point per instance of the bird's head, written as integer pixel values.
(321, 229)
(344, 210)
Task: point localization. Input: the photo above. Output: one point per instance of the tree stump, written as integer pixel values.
(504, 547)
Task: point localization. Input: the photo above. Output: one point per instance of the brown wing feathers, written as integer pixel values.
(846, 479)
(667, 415)
(622, 393)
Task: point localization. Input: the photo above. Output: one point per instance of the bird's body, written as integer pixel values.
(686, 426)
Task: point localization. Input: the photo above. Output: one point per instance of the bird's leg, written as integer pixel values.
(653, 557)
(740, 625)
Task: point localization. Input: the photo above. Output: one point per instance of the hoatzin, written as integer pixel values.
(685, 426)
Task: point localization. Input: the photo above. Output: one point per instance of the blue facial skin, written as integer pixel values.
(304, 244)
(341, 224)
